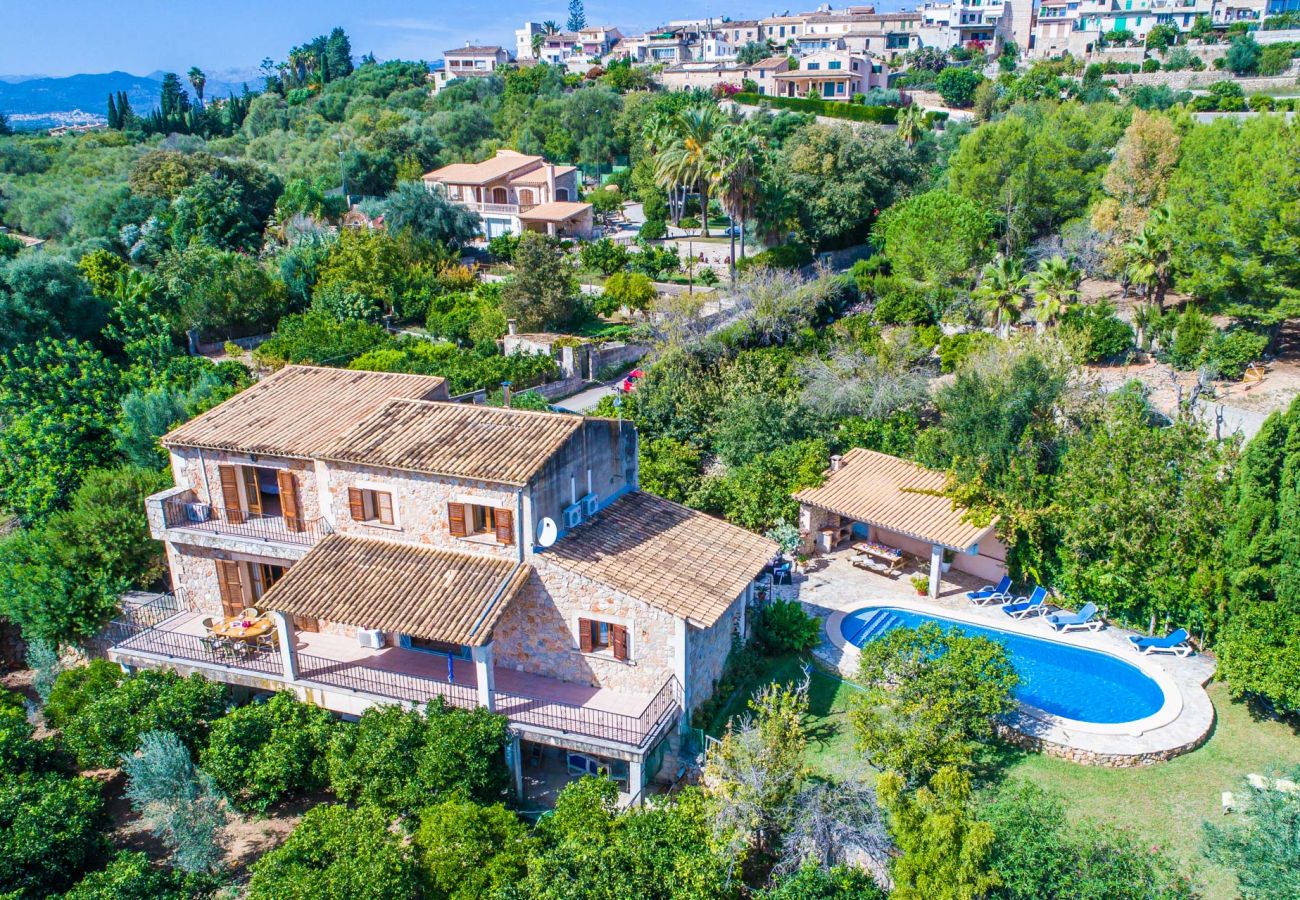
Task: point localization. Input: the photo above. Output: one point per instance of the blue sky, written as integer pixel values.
(65, 37)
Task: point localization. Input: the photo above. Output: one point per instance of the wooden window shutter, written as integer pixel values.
(290, 507)
(456, 519)
(504, 520)
(252, 490)
(356, 505)
(230, 494)
(618, 641)
(384, 507)
(585, 643)
(230, 586)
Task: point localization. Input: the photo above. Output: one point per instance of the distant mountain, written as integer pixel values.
(39, 101)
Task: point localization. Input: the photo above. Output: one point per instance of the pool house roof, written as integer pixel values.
(897, 495)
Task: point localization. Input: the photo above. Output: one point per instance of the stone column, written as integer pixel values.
(936, 559)
(681, 669)
(485, 676)
(514, 758)
(636, 780)
(288, 652)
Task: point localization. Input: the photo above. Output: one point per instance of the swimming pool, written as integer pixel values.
(1059, 679)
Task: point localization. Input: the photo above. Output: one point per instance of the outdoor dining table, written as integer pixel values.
(239, 628)
(892, 555)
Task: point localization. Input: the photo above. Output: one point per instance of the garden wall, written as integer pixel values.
(1092, 757)
(1188, 80)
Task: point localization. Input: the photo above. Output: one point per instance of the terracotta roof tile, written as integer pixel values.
(897, 495)
(299, 410)
(439, 595)
(674, 558)
(456, 440)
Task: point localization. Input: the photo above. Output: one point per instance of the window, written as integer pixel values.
(834, 64)
(561, 194)
(469, 519)
(812, 67)
(595, 636)
(241, 584)
(375, 507)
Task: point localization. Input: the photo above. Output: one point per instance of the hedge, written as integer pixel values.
(838, 109)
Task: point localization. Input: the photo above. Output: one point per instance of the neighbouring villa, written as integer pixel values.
(358, 539)
(832, 75)
(515, 192)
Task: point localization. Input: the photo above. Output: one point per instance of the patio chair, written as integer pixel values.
(267, 641)
(1084, 618)
(209, 643)
(991, 593)
(781, 574)
(208, 623)
(249, 613)
(1033, 605)
(1176, 643)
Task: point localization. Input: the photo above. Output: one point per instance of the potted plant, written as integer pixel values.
(922, 585)
(946, 564)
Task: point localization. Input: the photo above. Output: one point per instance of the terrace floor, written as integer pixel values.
(833, 587)
(418, 664)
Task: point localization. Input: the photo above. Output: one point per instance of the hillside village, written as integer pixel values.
(840, 454)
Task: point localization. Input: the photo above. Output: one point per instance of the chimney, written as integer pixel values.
(511, 326)
(835, 461)
(505, 394)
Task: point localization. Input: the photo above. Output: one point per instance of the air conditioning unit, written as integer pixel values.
(198, 512)
(370, 637)
(590, 505)
(573, 515)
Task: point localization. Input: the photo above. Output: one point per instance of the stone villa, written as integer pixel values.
(408, 547)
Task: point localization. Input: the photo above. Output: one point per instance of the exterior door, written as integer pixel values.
(230, 585)
(252, 492)
(499, 195)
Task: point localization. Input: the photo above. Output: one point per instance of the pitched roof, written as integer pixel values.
(897, 495)
(456, 440)
(504, 163)
(772, 62)
(538, 175)
(555, 211)
(299, 410)
(439, 595)
(473, 51)
(674, 558)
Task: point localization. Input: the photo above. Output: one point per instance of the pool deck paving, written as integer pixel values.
(831, 587)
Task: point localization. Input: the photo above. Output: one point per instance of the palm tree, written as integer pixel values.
(687, 160)
(738, 155)
(537, 45)
(550, 27)
(1056, 287)
(197, 81)
(911, 123)
(1145, 317)
(1148, 256)
(1001, 291)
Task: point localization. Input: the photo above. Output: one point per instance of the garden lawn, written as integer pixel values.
(1165, 803)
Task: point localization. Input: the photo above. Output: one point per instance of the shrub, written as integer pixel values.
(652, 230)
(399, 760)
(131, 876)
(51, 830)
(957, 86)
(337, 853)
(467, 851)
(1243, 56)
(900, 301)
(502, 247)
(1150, 65)
(1229, 352)
(1099, 333)
(182, 805)
(264, 752)
(109, 720)
(1191, 334)
(881, 115)
(793, 255)
(784, 627)
(955, 349)
(603, 256)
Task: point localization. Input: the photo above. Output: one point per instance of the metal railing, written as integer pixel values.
(353, 676)
(179, 512)
(126, 636)
(598, 723)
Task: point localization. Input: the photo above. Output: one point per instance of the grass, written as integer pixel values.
(1164, 803)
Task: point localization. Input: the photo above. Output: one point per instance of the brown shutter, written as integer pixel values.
(356, 505)
(231, 587)
(230, 494)
(618, 641)
(252, 490)
(456, 519)
(384, 507)
(505, 525)
(584, 635)
(289, 505)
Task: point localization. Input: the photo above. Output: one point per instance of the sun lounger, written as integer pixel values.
(1175, 643)
(990, 593)
(1084, 618)
(1033, 605)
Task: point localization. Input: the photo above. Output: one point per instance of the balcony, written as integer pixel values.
(186, 513)
(340, 672)
(500, 209)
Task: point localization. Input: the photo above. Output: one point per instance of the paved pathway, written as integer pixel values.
(586, 401)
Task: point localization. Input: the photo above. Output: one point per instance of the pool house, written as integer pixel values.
(887, 509)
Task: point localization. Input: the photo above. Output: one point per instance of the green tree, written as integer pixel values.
(467, 851)
(215, 211)
(1001, 292)
(44, 296)
(1242, 57)
(1056, 287)
(930, 697)
(946, 851)
(741, 160)
(669, 468)
(220, 293)
(542, 293)
(753, 52)
(263, 753)
(577, 16)
(1263, 848)
(337, 853)
(430, 215)
(626, 290)
(685, 160)
(131, 876)
(937, 237)
(957, 85)
(51, 830)
(604, 256)
(182, 804)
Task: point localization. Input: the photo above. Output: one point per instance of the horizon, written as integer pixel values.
(62, 38)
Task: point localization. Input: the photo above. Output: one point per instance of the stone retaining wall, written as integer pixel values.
(1091, 757)
(1189, 80)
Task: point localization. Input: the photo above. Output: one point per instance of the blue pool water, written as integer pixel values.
(1065, 681)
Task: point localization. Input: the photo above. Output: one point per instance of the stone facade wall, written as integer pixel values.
(420, 508)
(1189, 80)
(538, 633)
(1092, 757)
(194, 573)
(707, 649)
(199, 470)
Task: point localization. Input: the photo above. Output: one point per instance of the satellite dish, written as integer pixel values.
(547, 532)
